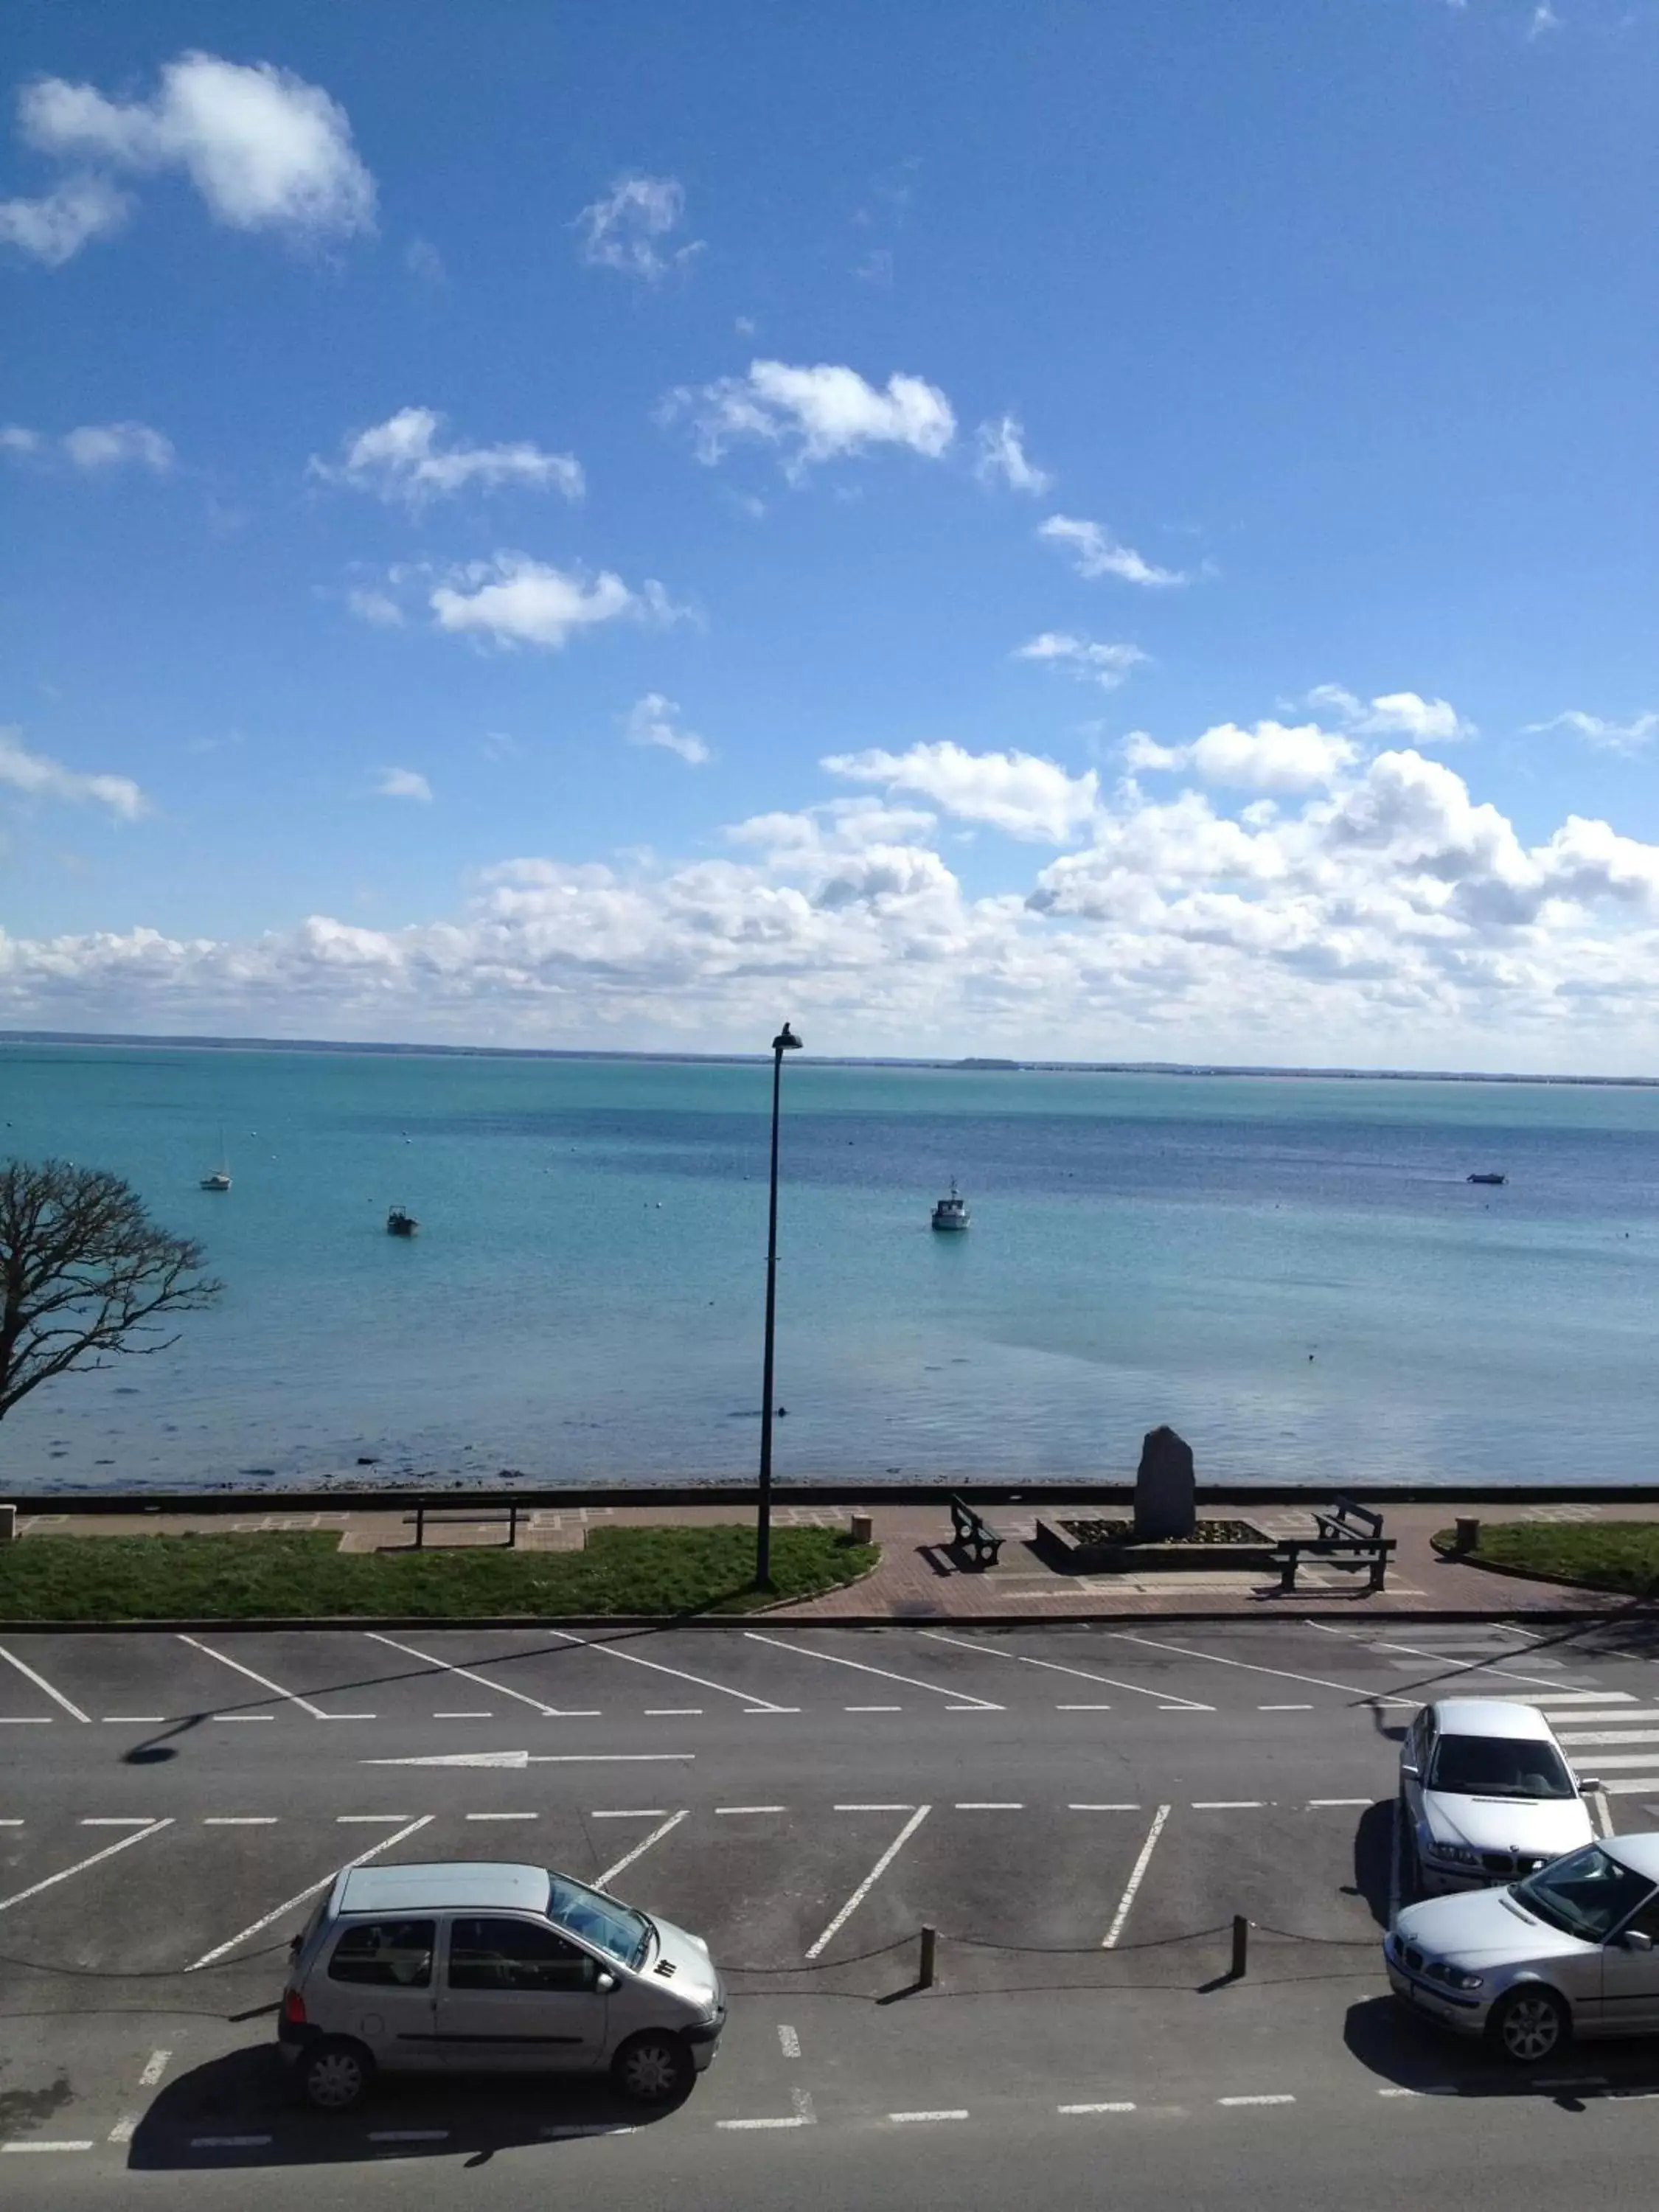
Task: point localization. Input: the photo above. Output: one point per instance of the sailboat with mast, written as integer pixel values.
(220, 1178)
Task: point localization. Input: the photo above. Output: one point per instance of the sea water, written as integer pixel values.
(1294, 1272)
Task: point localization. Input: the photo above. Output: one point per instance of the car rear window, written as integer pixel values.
(389, 1953)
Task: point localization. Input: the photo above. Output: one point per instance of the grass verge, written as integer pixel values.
(1609, 1555)
(263, 1576)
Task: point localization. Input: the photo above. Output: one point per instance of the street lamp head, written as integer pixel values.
(786, 1040)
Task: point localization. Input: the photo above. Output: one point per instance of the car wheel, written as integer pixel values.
(1530, 2025)
(335, 2076)
(652, 2068)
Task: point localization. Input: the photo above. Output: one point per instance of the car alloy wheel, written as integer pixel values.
(1530, 2027)
(336, 2078)
(652, 2070)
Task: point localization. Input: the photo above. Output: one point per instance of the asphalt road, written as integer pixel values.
(1078, 1813)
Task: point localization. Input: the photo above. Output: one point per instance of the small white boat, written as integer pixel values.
(220, 1179)
(951, 1212)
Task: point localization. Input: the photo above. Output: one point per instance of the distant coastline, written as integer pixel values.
(122, 1041)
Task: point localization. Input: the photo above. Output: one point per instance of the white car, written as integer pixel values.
(1486, 1795)
(1569, 1950)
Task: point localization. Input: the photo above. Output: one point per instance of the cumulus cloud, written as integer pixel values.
(402, 783)
(378, 609)
(812, 414)
(54, 229)
(38, 777)
(99, 445)
(1391, 917)
(1002, 458)
(265, 149)
(652, 721)
(1272, 757)
(1095, 552)
(514, 600)
(1595, 729)
(1019, 793)
(1088, 660)
(1394, 715)
(403, 459)
(626, 229)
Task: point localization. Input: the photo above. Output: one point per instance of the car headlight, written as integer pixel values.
(1459, 1980)
(1456, 1854)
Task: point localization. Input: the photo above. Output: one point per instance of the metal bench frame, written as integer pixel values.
(975, 1534)
(1372, 1553)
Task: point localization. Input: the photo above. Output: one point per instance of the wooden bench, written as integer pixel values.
(489, 1517)
(1346, 1518)
(975, 1534)
(1372, 1553)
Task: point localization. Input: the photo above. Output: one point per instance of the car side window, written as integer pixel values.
(388, 1954)
(515, 1954)
(1645, 1918)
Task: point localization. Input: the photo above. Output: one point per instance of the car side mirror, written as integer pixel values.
(1634, 1940)
(605, 1983)
(1405, 1767)
(1588, 1785)
(295, 1945)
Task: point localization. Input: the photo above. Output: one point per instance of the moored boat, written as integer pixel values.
(399, 1223)
(951, 1212)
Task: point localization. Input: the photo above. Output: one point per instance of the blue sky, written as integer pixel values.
(1071, 529)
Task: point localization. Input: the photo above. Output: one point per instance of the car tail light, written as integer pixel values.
(294, 2009)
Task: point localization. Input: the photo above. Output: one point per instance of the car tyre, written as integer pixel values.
(652, 2068)
(1530, 2025)
(334, 2075)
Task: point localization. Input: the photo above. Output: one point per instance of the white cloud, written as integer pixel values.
(1002, 458)
(110, 445)
(422, 260)
(1095, 552)
(401, 459)
(1272, 757)
(624, 229)
(1596, 730)
(377, 608)
(14, 439)
(1544, 20)
(54, 229)
(1019, 793)
(1395, 920)
(517, 601)
(651, 721)
(265, 150)
(813, 414)
(37, 777)
(404, 783)
(1089, 662)
(1394, 715)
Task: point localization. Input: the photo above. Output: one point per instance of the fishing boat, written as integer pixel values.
(951, 1212)
(399, 1223)
(1488, 1178)
(220, 1178)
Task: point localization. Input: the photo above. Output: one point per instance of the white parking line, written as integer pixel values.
(41, 1683)
(1648, 1758)
(789, 2042)
(289, 1697)
(25, 1720)
(870, 1808)
(124, 2128)
(154, 2067)
(673, 1712)
(872, 1708)
(1102, 1808)
(240, 1821)
(720, 1810)
(484, 1681)
(370, 1819)
(133, 1720)
(1083, 1709)
(241, 1716)
(968, 1703)
(1136, 1877)
(1227, 1805)
(462, 1716)
(503, 1816)
(1279, 2100)
(1585, 1697)
(639, 1849)
(119, 1820)
(1629, 1785)
(987, 1805)
(38, 2145)
(1455, 1665)
(906, 2119)
(657, 1666)
(1250, 1667)
(138, 1836)
(870, 1880)
(1316, 1803)
(1284, 1709)
(1095, 2108)
(1054, 1667)
(766, 1711)
(1607, 1735)
(1577, 1717)
(258, 1926)
(631, 1813)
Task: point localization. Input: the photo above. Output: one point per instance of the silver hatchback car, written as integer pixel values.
(486, 1967)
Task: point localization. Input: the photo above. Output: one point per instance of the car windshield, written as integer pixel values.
(1499, 1766)
(597, 1919)
(1585, 1894)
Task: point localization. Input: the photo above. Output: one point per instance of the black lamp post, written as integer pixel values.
(786, 1041)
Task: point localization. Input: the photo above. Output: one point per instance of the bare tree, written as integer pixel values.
(85, 1274)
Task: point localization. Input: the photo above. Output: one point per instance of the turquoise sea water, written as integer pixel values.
(584, 1299)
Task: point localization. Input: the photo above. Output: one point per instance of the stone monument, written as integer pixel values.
(1164, 1488)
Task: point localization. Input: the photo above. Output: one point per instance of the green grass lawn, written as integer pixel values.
(1610, 1555)
(623, 1571)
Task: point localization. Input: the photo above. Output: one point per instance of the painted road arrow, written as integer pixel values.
(535, 1759)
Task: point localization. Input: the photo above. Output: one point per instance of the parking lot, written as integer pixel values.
(1079, 1814)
